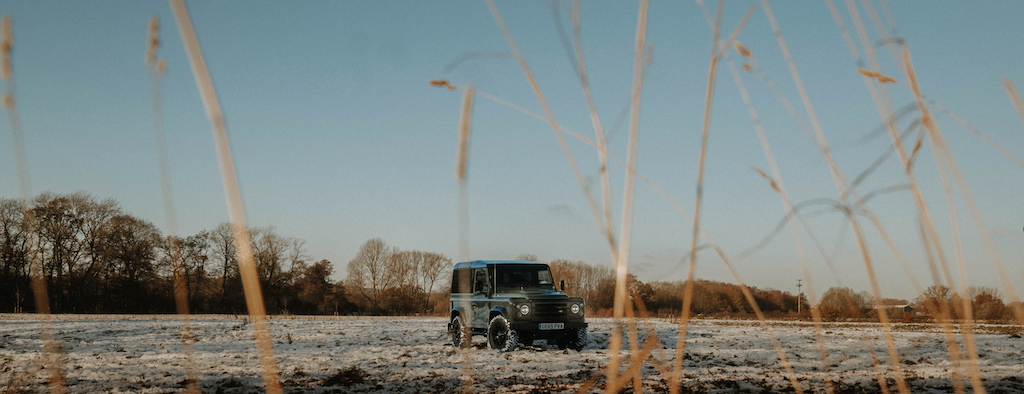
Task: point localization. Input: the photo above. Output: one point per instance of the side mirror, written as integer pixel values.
(561, 284)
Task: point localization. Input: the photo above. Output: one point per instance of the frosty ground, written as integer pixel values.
(105, 353)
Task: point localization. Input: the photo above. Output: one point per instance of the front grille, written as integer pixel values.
(553, 311)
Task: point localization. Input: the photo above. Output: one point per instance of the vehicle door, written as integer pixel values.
(481, 301)
(462, 294)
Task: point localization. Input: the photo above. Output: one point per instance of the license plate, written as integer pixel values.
(552, 326)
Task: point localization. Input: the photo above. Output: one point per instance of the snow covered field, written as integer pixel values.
(105, 353)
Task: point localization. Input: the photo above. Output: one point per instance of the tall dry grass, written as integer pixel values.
(624, 368)
(51, 356)
(850, 200)
(875, 83)
(1011, 91)
(236, 212)
(156, 68)
(841, 187)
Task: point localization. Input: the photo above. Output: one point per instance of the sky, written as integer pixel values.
(338, 137)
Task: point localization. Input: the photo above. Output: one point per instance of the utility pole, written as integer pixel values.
(799, 295)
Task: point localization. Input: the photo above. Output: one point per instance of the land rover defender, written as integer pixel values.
(512, 303)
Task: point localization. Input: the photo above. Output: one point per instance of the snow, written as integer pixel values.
(143, 354)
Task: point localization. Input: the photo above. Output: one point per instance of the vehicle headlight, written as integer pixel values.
(524, 309)
(575, 308)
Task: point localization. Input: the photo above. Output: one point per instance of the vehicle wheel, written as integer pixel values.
(501, 336)
(459, 334)
(578, 339)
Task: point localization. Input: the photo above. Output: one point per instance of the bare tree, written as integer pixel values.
(368, 272)
(14, 253)
(413, 275)
(222, 249)
(95, 233)
(296, 253)
(402, 268)
(432, 266)
(132, 246)
(193, 265)
(935, 299)
(270, 250)
(581, 279)
(528, 257)
(60, 222)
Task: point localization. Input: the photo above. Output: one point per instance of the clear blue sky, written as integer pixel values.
(338, 138)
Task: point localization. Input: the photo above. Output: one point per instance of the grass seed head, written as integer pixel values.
(8, 101)
(881, 78)
(441, 83)
(6, 44)
(154, 40)
(743, 51)
(868, 73)
(748, 68)
(766, 177)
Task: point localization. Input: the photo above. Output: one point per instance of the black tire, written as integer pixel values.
(578, 339)
(501, 336)
(459, 334)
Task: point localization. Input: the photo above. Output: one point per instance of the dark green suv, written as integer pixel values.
(513, 302)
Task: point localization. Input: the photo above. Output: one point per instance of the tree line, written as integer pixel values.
(596, 285)
(96, 258)
(936, 302)
(384, 280)
(719, 299)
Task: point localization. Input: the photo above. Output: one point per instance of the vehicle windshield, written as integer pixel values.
(523, 277)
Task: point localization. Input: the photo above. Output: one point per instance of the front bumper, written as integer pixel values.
(534, 327)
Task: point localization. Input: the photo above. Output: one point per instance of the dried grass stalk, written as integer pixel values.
(880, 96)
(684, 315)
(1014, 97)
(840, 184)
(154, 41)
(595, 119)
(625, 229)
(742, 50)
(6, 46)
(465, 120)
(549, 115)
(939, 144)
(942, 161)
(977, 132)
(778, 185)
(51, 348)
(461, 162)
(846, 33)
(884, 34)
(246, 262)
(666, 370)
(156, 70)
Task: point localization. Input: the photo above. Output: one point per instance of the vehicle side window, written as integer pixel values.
(480, 281)
(461, 281)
